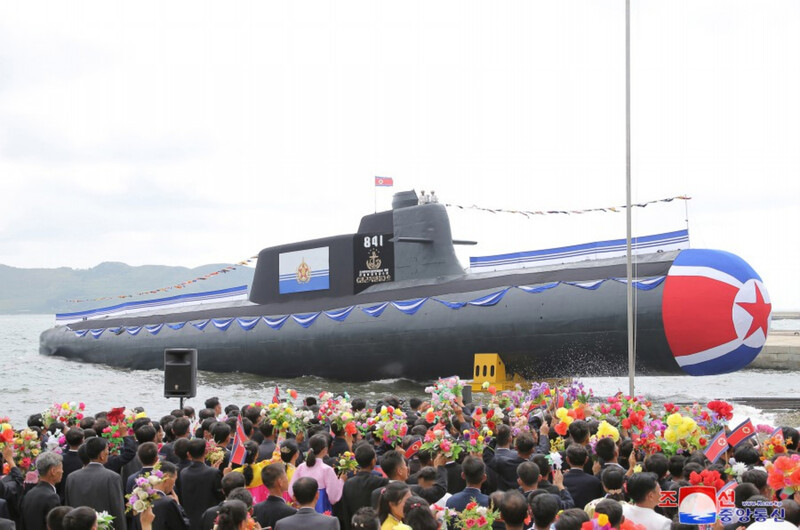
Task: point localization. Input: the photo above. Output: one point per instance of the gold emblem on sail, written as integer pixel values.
(303, 272)
(374, 261)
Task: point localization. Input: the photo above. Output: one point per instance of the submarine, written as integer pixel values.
(392, 301)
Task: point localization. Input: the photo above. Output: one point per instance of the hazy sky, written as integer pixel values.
(188, 133)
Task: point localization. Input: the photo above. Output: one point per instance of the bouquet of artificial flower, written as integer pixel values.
(346, 463)
(144, 494)
(436, 441)
(476, 517)
(390, 425)
(68, 413)
(105, 521)
(214, 453)
(784, 474)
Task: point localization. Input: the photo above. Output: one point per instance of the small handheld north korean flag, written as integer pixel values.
(238, 451)
(741, 433)
(276, 397)
(384, 181)
(413, 448)
(717, 447)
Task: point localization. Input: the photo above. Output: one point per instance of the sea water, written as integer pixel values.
(31, 382)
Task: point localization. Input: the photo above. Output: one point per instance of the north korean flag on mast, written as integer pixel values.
(238, 451)
(741, 433)
(384, 181)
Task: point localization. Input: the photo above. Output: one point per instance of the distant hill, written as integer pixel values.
(47, 290)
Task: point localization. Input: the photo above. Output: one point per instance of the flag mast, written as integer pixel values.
(629, 268)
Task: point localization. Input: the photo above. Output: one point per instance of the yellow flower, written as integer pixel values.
(289, 411)
(673, 420)
(605, 430)
(285, 425)
(485, 385)
(274, 422)
(141, 415)
(561, 413)
(671, 435)
(637, 468)
(489, 432)
(481, 439)
(602, 519)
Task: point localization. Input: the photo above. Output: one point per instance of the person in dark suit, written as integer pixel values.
(393, 463)
(583, 486)
(306, 491)
(274, 507)
(181, 448)
(70, 460)
(168, 513)
(97, 487)
(180, 429)
(506, 461)
(474, 473)
(357, 491)
(229, 483)
(267, 446)
(200, 485)
(43, 497)
(432, 481)
(148, 456)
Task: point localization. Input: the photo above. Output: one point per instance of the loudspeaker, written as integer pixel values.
(180, 372)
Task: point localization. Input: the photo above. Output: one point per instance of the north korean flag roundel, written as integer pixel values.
(716, 312)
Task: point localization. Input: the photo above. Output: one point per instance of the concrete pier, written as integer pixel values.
(781, 352)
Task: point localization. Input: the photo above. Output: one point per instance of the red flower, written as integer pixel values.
(626, 423)
(561, 428)
(116, 415)
(472, 506)
(492, 390)
(350, 428)
(490, 414)
(702, 442)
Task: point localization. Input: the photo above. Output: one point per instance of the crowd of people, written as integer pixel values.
(547, 458)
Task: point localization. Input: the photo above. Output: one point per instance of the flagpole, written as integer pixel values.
(631, 344)
(375, 195)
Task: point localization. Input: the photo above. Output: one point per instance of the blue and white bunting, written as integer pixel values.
(275, 323)
(489, 299)
(96, 332)
(376, 310)
(153, 330)
(176, 325)
(222, 324)
(409, 307)
(306, 320)
(340, 315)
(247, 323)
(133, 330)
(451, 305)
(201, 324)
(80, 332)
(592, 286)
(532, 289)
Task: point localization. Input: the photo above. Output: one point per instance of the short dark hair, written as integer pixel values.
(74, 436)
(604, 448)
(95, 446)
(148, 453)
(365, 454)
(241, 494)
(791, 511)
(744, 491)
(221, 432)
(82, 518)
(579, 431)
(206, 414)
(305, 489)
(612, 508)
(181, 448)
(524, 443)
(366, 518)
(657, 463)
(427, 473)
(571, 518)
(231, 481)
(145, 433)
(55, 517)
(514, 508)
(414, 403)
(266, 428)
(747, 455)
(474, 470)
(757, 477)
(576, 454)
(181, 426)
(503, 435)
(271, 474)
(197, 448)
(528, 473)
(790, 434)
(544, 508)
(544, 465)
(640, 485)
(168, 468)
(391, 461)
(676, 463)
(212, 402)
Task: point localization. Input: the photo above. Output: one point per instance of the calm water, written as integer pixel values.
(31, 382)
